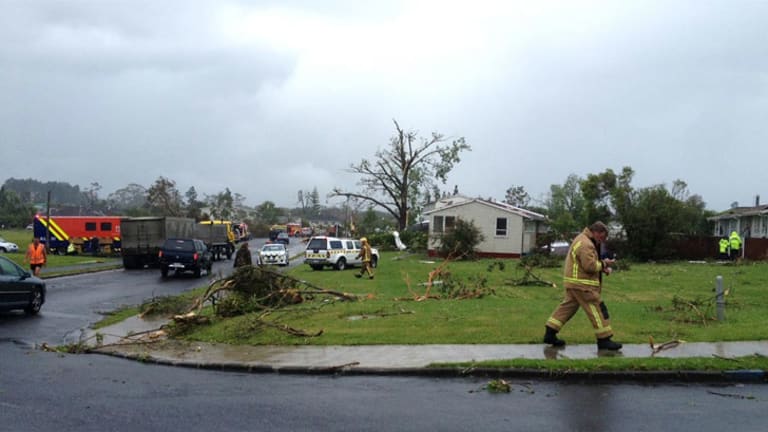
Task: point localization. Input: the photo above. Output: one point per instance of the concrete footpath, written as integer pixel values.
(130, 339)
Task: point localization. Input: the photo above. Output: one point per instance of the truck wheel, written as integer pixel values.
(341, 264)
(374, 261)
(198, 272)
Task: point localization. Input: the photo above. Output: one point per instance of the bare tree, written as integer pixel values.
(396, 176)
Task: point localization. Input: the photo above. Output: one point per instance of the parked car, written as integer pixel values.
(283, 237)
(273, 253)
(557, 248)
(19, 289)
(6, 246)
(339, 253)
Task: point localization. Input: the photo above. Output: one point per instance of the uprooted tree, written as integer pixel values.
(396, 177)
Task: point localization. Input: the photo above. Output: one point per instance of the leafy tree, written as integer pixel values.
(565, 208)
(193, 206)
(163, 198)
(222, 205)
(240, 211)
(606, 193)
(130, 197)
(91, 195)
(13, 211)
(314, 202)
(268, 213)
(396, 176)
(517, 196)
(34, 192)
(650, 216)
(461, 242)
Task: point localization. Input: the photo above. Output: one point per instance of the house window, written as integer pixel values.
(501, 227)
(438, 224)
(450, 223)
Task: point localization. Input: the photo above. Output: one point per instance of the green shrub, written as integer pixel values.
(461, 242)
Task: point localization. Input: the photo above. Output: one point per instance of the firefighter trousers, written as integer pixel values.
(590, 301)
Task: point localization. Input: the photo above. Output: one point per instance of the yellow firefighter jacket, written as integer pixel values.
(582, 264)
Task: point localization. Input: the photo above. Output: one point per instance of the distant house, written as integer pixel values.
(509, 231)
(749, 222)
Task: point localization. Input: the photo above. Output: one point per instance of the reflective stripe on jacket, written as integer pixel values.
(582, 264)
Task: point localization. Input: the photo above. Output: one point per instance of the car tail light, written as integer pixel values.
(160, 254)
(195, 257)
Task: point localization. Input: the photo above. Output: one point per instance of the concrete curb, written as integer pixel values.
(681, 376)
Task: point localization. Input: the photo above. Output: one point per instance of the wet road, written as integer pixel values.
(42, 391)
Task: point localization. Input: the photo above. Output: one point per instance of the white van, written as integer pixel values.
(335, 252)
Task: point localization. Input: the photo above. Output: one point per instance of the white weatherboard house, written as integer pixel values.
(509, 231)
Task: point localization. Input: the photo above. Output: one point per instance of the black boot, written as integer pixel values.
(608, 344)
(550, 337)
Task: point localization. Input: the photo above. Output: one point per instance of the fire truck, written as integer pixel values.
(88, 234)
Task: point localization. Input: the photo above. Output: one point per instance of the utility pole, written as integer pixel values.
(48, 222)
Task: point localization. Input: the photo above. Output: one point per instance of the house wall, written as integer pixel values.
(752, 226)
(519, 238)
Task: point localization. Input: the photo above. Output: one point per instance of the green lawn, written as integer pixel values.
(24, 237)
(666, 301)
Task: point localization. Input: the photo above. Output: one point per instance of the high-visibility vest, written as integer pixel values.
(724, 245)
(36, 254)
(735, 240)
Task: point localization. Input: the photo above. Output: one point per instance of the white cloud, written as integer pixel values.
(233, 94)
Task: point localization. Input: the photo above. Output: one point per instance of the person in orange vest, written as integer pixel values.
(36, 256)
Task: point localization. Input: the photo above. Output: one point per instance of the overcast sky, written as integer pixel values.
(270, 97)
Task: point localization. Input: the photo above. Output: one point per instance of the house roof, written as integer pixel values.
(739, 212)
(526, 214)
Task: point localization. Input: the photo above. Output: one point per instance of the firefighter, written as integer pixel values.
(36, 256)
(724, 245)
(735, 243)
(583, 285)
(365, 254)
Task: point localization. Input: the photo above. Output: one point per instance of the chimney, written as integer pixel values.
(757, 200)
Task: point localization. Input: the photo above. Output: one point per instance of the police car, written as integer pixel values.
(273, 253)
(339, 253)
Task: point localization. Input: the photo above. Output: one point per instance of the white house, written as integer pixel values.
(750, 222)
(509, 231)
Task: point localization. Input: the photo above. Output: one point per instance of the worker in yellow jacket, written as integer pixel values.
(735, 244)
(582, 279)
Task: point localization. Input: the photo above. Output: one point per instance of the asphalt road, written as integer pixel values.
(43, 391)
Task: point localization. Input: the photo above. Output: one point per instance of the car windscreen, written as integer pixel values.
(180, 245)
(273, 248)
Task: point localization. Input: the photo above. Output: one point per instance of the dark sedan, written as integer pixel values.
(19, 289)
(283, 237)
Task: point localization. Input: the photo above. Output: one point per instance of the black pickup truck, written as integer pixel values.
(183, 255)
